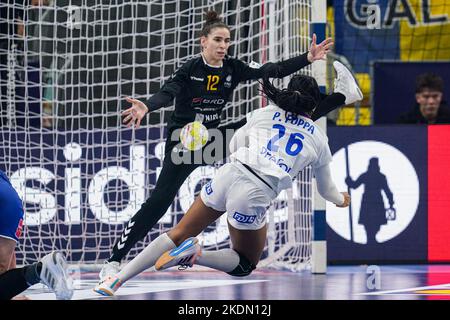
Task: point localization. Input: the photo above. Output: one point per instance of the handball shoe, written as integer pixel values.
(184, 255)
(109, 269)
(109, 286)
(346, 84)
(55, 276)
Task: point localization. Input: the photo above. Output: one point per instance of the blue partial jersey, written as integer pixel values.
(11, 210)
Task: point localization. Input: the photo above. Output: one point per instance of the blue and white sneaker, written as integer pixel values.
(184, 255)
(54, 275)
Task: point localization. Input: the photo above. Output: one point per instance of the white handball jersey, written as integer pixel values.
(280, 144)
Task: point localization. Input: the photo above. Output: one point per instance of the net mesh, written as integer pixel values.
(67, 67)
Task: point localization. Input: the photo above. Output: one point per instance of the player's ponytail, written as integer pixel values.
(212, 20)
(301, 97)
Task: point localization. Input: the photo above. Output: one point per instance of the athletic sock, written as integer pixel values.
(147, 258)
(32, 273)
(14, 281)
(224, 260)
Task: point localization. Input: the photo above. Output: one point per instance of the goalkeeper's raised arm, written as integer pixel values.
(214, 74)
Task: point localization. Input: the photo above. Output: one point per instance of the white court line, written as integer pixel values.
(439, 286)
(133, 287)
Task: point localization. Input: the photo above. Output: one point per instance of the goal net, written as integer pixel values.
(67, 66)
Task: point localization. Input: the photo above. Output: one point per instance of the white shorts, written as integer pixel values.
(243, 198)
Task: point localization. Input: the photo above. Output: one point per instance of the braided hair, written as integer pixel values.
(302, 95)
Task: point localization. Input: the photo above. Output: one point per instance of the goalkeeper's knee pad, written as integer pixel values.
(244, 268)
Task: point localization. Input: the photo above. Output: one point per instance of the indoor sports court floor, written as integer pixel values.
(399, 282)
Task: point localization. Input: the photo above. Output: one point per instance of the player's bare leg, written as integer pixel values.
(196, 219)
(249, 243)
(239, 260)
(7, 260)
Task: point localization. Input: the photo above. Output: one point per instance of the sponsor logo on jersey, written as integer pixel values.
(211, 117)
(197, 79)
(19, 228)
(208, 188)
(214, 101)
(278, 161)
(242, 218)
(200, 100)
(227, 83)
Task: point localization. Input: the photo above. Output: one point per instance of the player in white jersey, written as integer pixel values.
(267, 153)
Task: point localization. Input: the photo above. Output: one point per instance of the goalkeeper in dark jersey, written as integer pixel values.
(201, 88)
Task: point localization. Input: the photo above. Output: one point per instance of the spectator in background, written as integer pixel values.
(430, 108)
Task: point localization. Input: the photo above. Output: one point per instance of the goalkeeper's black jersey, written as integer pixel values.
(202, 91)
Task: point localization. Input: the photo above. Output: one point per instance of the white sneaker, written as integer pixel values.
(54, 275)
(109, 269)
(184, 255)
(346, 84)
(109, 286)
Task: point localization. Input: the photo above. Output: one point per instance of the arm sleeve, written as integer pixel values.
(169, 90)
(325, 185)
(272, 70)
(324, 156)
(327, 104)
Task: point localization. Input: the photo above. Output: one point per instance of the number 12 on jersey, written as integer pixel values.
(294, 144)
(213, 81)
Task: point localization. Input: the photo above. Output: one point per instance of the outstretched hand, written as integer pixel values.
(135, 114)
(346, 200)
(319, 51)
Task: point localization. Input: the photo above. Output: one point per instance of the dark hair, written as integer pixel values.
(429, 81)
(213, 20)
(301, 96)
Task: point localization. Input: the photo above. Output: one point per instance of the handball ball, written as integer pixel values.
(194, 135)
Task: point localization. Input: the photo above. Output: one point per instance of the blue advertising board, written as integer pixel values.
(72, 179)
(384, 168)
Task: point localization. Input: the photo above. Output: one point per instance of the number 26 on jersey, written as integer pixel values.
(294, 144)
